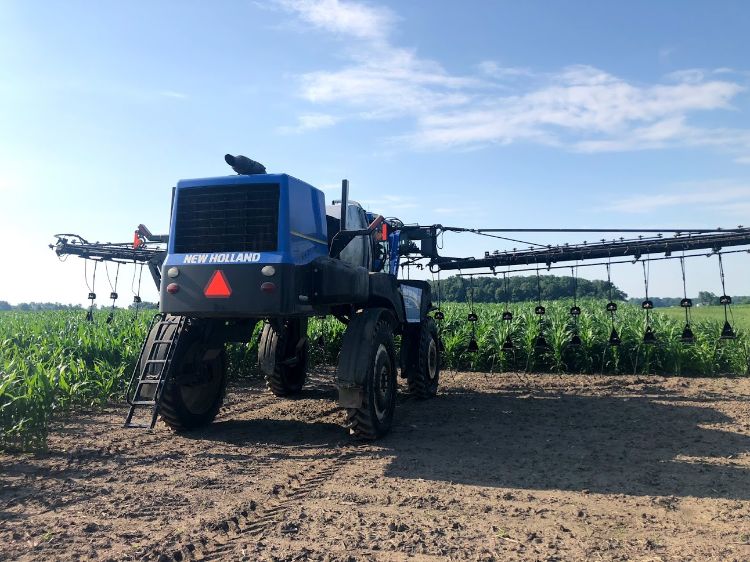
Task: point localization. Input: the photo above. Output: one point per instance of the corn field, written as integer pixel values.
(54, 363)
(708, 356)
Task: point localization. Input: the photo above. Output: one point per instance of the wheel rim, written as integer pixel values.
(383, 383)
(203, 382)
(432, 360)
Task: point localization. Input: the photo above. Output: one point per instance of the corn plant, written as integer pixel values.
(55, 362)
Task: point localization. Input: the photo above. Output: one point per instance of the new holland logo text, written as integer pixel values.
(226, 257)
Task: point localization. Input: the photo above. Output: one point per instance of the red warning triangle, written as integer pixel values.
(218, 286)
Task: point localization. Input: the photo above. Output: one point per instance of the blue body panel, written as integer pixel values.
(302, 234)
(307, 227)
(394, 240)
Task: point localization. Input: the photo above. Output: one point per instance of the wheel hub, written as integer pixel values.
(432, 360)
(382, 382)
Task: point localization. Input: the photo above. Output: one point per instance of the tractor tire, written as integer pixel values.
(373, 353)
(283, 355)
(420, 354)
(194, 389)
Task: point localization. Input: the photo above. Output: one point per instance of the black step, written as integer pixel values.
(138, 425)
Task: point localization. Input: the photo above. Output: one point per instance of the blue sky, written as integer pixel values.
(494, 114)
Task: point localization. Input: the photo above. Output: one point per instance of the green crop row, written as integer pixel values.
(52, 362)
(708, 356)
(55, 362)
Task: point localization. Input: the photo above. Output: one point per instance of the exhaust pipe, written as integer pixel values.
(244, 166)
(344, 202)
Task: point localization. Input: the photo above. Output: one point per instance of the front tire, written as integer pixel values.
(283, 355)
(375, 354)
(196, 383)
(420, 350)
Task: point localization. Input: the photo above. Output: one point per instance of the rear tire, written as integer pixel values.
(283, 355)
(195, 386)
(421, 358)
(375, 354)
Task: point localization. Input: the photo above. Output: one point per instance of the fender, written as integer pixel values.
(352, 368)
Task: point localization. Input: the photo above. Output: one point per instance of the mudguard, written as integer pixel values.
(354, 359)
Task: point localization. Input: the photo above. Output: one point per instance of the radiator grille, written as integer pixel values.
(236, 218)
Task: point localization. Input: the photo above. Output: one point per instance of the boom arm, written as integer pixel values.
(687, 240)
(142, 250)
(601, 250)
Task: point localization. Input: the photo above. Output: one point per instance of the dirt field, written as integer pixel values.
(500, 467)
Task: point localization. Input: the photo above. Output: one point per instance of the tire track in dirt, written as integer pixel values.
(248, 521)
(256, 401)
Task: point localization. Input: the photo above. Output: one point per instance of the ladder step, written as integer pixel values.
(138, 425)
(153, 376)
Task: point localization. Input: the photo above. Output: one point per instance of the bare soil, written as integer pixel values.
(497, 467)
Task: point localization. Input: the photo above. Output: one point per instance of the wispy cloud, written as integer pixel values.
(723, 197)
(665, 54)
(310, 122)
(346, 18)
(580, 108)
(583, 108)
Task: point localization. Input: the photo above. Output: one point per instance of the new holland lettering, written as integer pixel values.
(225, 257)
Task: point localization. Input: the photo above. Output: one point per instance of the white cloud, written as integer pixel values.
(173, 94)
(395, 83)
(347, 18)
(718, 196)
(579, 108)
(494, 70)
(310, 122)
(594, 109)
(689, 75)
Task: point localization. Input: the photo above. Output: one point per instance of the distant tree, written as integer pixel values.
(658, 301)
(5, 305)
(522, 288)
(36, 306)
(145, 305)
(707, 298)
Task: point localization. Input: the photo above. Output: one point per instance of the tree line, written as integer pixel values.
(523, 288)
(705, 298)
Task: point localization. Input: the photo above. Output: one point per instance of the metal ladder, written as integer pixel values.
(152, 373)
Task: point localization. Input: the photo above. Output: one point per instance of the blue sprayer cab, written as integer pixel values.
(237, 243)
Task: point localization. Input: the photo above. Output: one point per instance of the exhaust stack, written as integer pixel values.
(244, 165)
